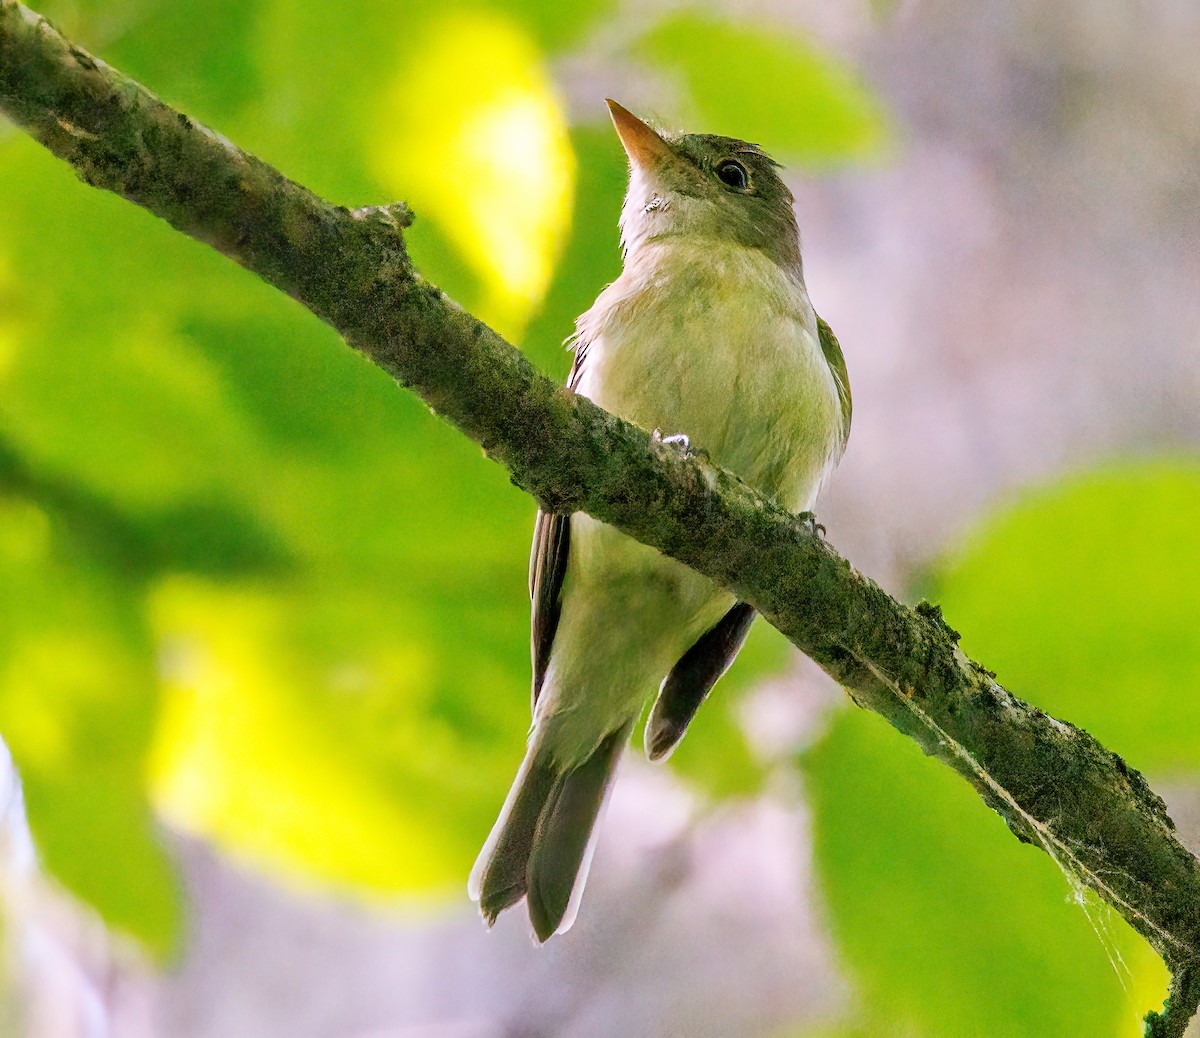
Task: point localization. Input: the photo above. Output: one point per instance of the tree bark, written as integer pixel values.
(1053, 784)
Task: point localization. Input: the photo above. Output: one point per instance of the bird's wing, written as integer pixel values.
(693, 677)
(548, 566)
(837, 365)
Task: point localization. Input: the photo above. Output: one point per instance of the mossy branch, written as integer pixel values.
(1053, 784)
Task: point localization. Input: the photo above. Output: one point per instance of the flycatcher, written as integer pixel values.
(708, 335)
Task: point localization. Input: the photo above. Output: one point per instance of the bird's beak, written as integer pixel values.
(645, 148)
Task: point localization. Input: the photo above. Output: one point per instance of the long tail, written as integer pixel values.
(541, 845)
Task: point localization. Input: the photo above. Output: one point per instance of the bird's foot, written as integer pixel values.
(679, 440)
(809, 519)
(681, 443)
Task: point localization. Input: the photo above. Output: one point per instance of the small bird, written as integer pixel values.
(708, 334)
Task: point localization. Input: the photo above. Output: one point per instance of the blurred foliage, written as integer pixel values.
(950, 926)
(768, 88)
(494, 168)
(249, 584)
(77, 693)
(1085, 598)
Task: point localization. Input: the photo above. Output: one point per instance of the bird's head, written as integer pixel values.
(700, 187)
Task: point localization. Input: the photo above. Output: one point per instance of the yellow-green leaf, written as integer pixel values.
(477, 142)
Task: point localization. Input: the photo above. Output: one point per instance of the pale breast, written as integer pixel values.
(718, 343)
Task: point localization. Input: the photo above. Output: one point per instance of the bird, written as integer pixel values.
(708, 333)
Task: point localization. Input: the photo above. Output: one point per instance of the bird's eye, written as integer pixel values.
(733, 174)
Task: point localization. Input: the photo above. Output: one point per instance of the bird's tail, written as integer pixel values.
(541, 845)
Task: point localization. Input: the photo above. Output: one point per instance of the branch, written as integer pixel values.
(1053, 784)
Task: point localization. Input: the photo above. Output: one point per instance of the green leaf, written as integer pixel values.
(554, 24)
(478, 145)
(771, 88)
(368, 736)
(78, 697)
(1084, 597)
(198, 54)
(453, 110)
(949, 925)
(338, 732)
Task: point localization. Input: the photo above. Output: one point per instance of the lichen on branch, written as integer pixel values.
(1054, 785)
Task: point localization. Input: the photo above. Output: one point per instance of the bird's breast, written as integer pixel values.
(718, 343)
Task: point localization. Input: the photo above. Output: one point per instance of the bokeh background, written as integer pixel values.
(263, 619)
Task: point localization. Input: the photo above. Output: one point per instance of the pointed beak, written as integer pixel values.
(645, 148)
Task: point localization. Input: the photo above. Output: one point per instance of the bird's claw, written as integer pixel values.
(809, 519)
(679, 441)
(676, 440)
